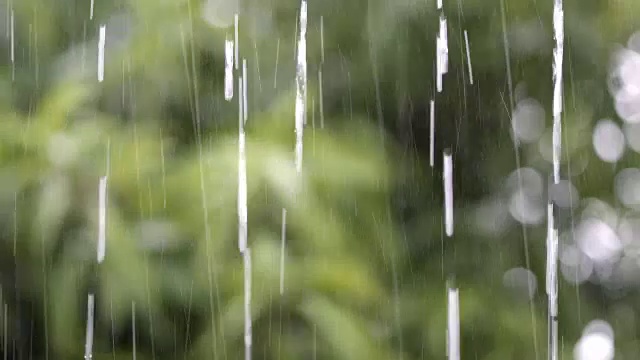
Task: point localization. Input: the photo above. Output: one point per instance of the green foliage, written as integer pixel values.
(365, 260)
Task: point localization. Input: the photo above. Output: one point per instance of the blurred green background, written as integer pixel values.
(367, 261)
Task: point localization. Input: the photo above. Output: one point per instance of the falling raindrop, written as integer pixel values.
(301, 84)
(101, 44)
(88, 345)
(432, 132)
(453, 324)
(228, 70)
(466, 42)
(448, 192)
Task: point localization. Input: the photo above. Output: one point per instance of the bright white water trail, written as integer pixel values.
(552, 279)
(558, 52)
(245, 105)
(228, 70)
(552, 237)
(101, 43)
(242, 177)
(442, 56)
(235, 40)
(432, 132)
(88, 343)
(453, 324)
(448, 192)
(301, 85)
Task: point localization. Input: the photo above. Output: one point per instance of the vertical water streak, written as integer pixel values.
(88, 343)
(552, 280)
(432, 132)
(320, 105)
(558, 52)
(101, 43)
(453, 324)
(275, 71)
(321, 39)
(13, 41)
(91, 10)
(228, 70)
(245, 105)
(282, 247)
(247, 304)
(102, 218)
(442, 56)
(301, 84)
(448, 192)
(242, 177)
(466, 42)
(235, 40)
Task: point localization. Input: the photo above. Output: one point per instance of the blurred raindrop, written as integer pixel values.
(529, 178)
(528, 120)
(608, 141)
(598, 240)
(624, 84)
(596, 342)
(522, 281)
(526, 208)
(575, 266)
(627, 187)
(629, 229)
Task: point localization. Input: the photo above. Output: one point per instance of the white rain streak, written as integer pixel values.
(552, 281)
(321, 39)
(442, 57)
(558, 34)
(102, 219)
(453, 324)
(466, 43)
(301, 84)
(13, 42)
(228, 70)
(448, 193)
(275, 71)
(245, 104)
(320, 105)
(101, 42)
(247, 304)
(91, 10)
(439, 4)
(235, 40)
(282, 247)
(88, 343)
(432, 132)
(242, 178)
